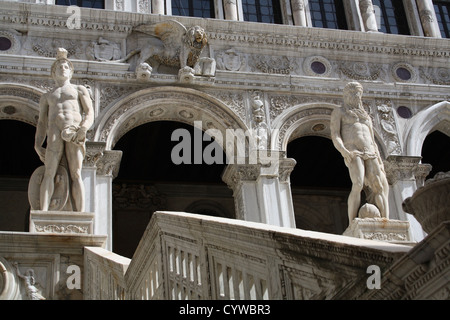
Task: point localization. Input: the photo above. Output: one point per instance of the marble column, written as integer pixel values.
(368, 15)
(158, 7)
(299, 12)
(428, 18)
(230, 9)
(405, 174)
(94, 151)
(107, 169)
(262, 191)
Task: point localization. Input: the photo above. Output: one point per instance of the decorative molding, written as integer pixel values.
(94, 151)
(308, 66)
(405, 168)
(109, 163)
(134, 196)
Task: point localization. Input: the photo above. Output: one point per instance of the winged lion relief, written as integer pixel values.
(179, 47)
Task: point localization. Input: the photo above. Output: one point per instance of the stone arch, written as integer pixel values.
(299, 121)
(435, 117)
(19, 102)
(166, 103)
(9, 283)
(312, 119)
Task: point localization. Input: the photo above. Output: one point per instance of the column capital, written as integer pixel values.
(260, 163)
(109, 163)
(406, 168)
(94, 151)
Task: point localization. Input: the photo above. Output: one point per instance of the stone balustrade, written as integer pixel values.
(104, 274)
(189, 256)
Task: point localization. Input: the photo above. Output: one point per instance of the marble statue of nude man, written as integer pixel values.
(352, 135)
(65, 115)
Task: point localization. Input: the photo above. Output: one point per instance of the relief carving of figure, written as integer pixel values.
(260, 129)
(103, 50)
(180, 47)
(66, 114)
(30, 283)
(352, 135)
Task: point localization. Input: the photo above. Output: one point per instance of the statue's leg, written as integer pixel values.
(75, 156)
(53, 154)
(356, 171)
(144, 55)
(379, 185)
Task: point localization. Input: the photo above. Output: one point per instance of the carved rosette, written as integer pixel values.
(440, 76)
(360, 70)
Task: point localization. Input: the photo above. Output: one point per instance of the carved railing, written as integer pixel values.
(104, 274)
(188, 256)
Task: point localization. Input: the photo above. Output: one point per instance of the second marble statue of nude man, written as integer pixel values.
(65, 115)
(352, 135)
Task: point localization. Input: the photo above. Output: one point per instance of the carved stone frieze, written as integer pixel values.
(274, 65)
(439, 76)
(360, 70)
(231, 60)
(103, 50)
(388, 127)
(280, 103)
(61, 228)
(129, 196)
(379, 229)
(46, 47)
(61, 222)
(233, 100)
(110, 93)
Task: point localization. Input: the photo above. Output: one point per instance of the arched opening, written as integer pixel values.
(17, 163)
(149, 180)
(320, 185)
(436, 151)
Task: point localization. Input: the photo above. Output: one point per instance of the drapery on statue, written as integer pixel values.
(65, 115)
(353, 136)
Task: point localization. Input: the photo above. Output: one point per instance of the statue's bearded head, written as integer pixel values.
(353, 94)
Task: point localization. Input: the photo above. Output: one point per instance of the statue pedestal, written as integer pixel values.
(61, 222)
(379, 229)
